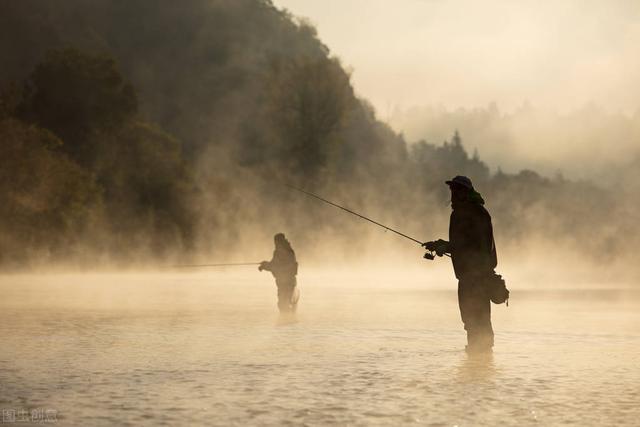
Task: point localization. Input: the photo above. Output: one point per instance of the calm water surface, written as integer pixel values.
(209, 349)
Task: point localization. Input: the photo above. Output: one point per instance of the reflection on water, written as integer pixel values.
(203, 349)
(285, 319)
(476, 367)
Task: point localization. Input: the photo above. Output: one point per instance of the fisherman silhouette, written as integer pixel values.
(473, 254)
(284, 268)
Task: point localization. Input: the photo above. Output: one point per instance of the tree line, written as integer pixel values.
(137, 142)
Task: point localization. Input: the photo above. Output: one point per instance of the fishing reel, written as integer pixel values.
(430, 255)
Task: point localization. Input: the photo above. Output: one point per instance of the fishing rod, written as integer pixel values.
(232, 264)
(356, 214)
(429, 255)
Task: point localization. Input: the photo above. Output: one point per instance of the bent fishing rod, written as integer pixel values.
(429, 255)
(356, 214)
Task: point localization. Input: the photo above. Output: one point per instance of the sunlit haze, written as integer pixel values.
(559, 55)
(320, 212)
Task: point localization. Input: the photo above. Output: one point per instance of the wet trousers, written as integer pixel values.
(287, 295)
(475, 310)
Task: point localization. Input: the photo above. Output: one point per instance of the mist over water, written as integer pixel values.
(138, 137)
(365, 349)
(126, 146)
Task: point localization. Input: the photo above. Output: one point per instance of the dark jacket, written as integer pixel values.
(473, 250)
(283, 265)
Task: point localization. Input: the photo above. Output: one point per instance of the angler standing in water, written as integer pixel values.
(473, 254)
(284, 268)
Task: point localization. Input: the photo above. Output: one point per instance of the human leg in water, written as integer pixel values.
(288, 295)
(475, 310)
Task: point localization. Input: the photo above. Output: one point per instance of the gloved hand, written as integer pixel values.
(262, 265)
(430, 246)
(440, 247)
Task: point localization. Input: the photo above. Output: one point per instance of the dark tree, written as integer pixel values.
(78, 95)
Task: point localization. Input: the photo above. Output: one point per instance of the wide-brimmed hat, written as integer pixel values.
(462, 181)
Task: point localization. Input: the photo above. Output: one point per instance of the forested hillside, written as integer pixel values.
(141, 130)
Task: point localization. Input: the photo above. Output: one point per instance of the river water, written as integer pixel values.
(210, 349)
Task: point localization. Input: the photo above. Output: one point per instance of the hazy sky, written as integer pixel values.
(559, 54)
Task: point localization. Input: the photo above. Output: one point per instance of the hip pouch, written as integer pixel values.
(497, 288)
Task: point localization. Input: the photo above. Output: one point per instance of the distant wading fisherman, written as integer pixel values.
(473, 254)
(284, 268)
